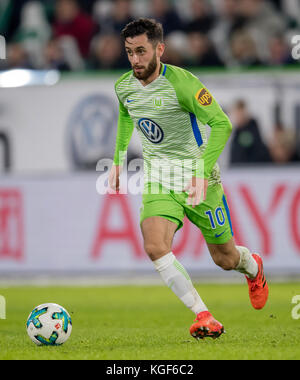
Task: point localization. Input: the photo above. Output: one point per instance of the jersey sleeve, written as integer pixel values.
(124, 134)
(195, 98)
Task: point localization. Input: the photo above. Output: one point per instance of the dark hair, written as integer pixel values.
(151, 27)
(240, 104)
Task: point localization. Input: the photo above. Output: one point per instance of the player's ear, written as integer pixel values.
(160, 48)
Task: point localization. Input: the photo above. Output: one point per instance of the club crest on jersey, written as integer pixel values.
(204, 97)
(151, 130)
(158, 102)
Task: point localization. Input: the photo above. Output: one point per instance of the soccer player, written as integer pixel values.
(170, 107)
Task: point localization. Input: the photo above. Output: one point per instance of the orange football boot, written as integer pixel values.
(258, 287)
(206, 326)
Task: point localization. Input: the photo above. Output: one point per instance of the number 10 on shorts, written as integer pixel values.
(216, 217)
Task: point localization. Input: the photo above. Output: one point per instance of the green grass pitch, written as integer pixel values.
(149, 322)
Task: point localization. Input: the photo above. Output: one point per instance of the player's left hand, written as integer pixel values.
(197, 188)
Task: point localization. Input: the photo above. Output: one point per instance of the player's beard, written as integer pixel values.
(148, 71)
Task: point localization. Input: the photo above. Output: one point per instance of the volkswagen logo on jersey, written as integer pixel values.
(151, 130)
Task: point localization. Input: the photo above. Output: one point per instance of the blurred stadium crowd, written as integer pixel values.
(71, 35)
(76, 35)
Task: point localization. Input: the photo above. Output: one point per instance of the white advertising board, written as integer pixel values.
(74, 122)
(63, 224)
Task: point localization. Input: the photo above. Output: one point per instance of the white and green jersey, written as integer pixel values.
(170, 115)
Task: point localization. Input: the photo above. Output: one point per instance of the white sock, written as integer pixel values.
(177, 279)
(247, 264)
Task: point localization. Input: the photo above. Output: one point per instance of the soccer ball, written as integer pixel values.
(49, 324)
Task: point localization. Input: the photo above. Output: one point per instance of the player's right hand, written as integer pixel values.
(197, 189)
(114, 178)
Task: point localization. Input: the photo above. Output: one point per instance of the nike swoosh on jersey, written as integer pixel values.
(218, 235)
(130, 101)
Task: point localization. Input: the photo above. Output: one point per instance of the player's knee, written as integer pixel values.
(156, 250)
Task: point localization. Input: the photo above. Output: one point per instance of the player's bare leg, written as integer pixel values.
(158, 236)
(231, 257)
(225, 255)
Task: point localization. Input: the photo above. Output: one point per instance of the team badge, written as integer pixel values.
(158, 102)
(204, 97)
(151, 130)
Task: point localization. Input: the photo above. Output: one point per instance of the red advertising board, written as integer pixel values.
(63, 224)
(11, 224)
